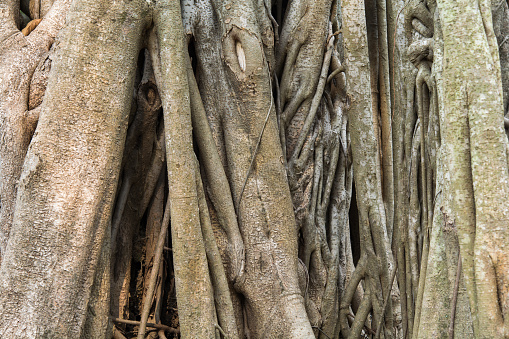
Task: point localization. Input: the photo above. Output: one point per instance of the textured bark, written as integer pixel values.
(441, 275)
(477, 160)
(238, 66)
(442, 267)
(24, 71)
(366, 169)
(266, 115)
(197, 313)
(67, 186)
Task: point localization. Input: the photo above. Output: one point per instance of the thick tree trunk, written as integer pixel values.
(442, 289)
(24, 72)
(245, 129)
(68, 183)
(477, 161)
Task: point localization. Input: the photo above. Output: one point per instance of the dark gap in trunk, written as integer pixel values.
(353, 216)
(169, 309)
(192, 54)
(278, 11)
(134, 301)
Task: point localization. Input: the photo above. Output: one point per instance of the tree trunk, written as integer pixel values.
(477, 161)
(69, 177)
(313, 152)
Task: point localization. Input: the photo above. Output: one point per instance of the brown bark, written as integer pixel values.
(23, 58)
(68, 183)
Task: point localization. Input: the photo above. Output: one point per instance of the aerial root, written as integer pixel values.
(152, 325)
(155, 270)
(30, 26)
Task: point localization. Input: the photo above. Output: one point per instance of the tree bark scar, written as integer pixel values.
(241, 56)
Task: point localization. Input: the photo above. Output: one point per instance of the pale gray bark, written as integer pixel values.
(477, 161)
(367, 174)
